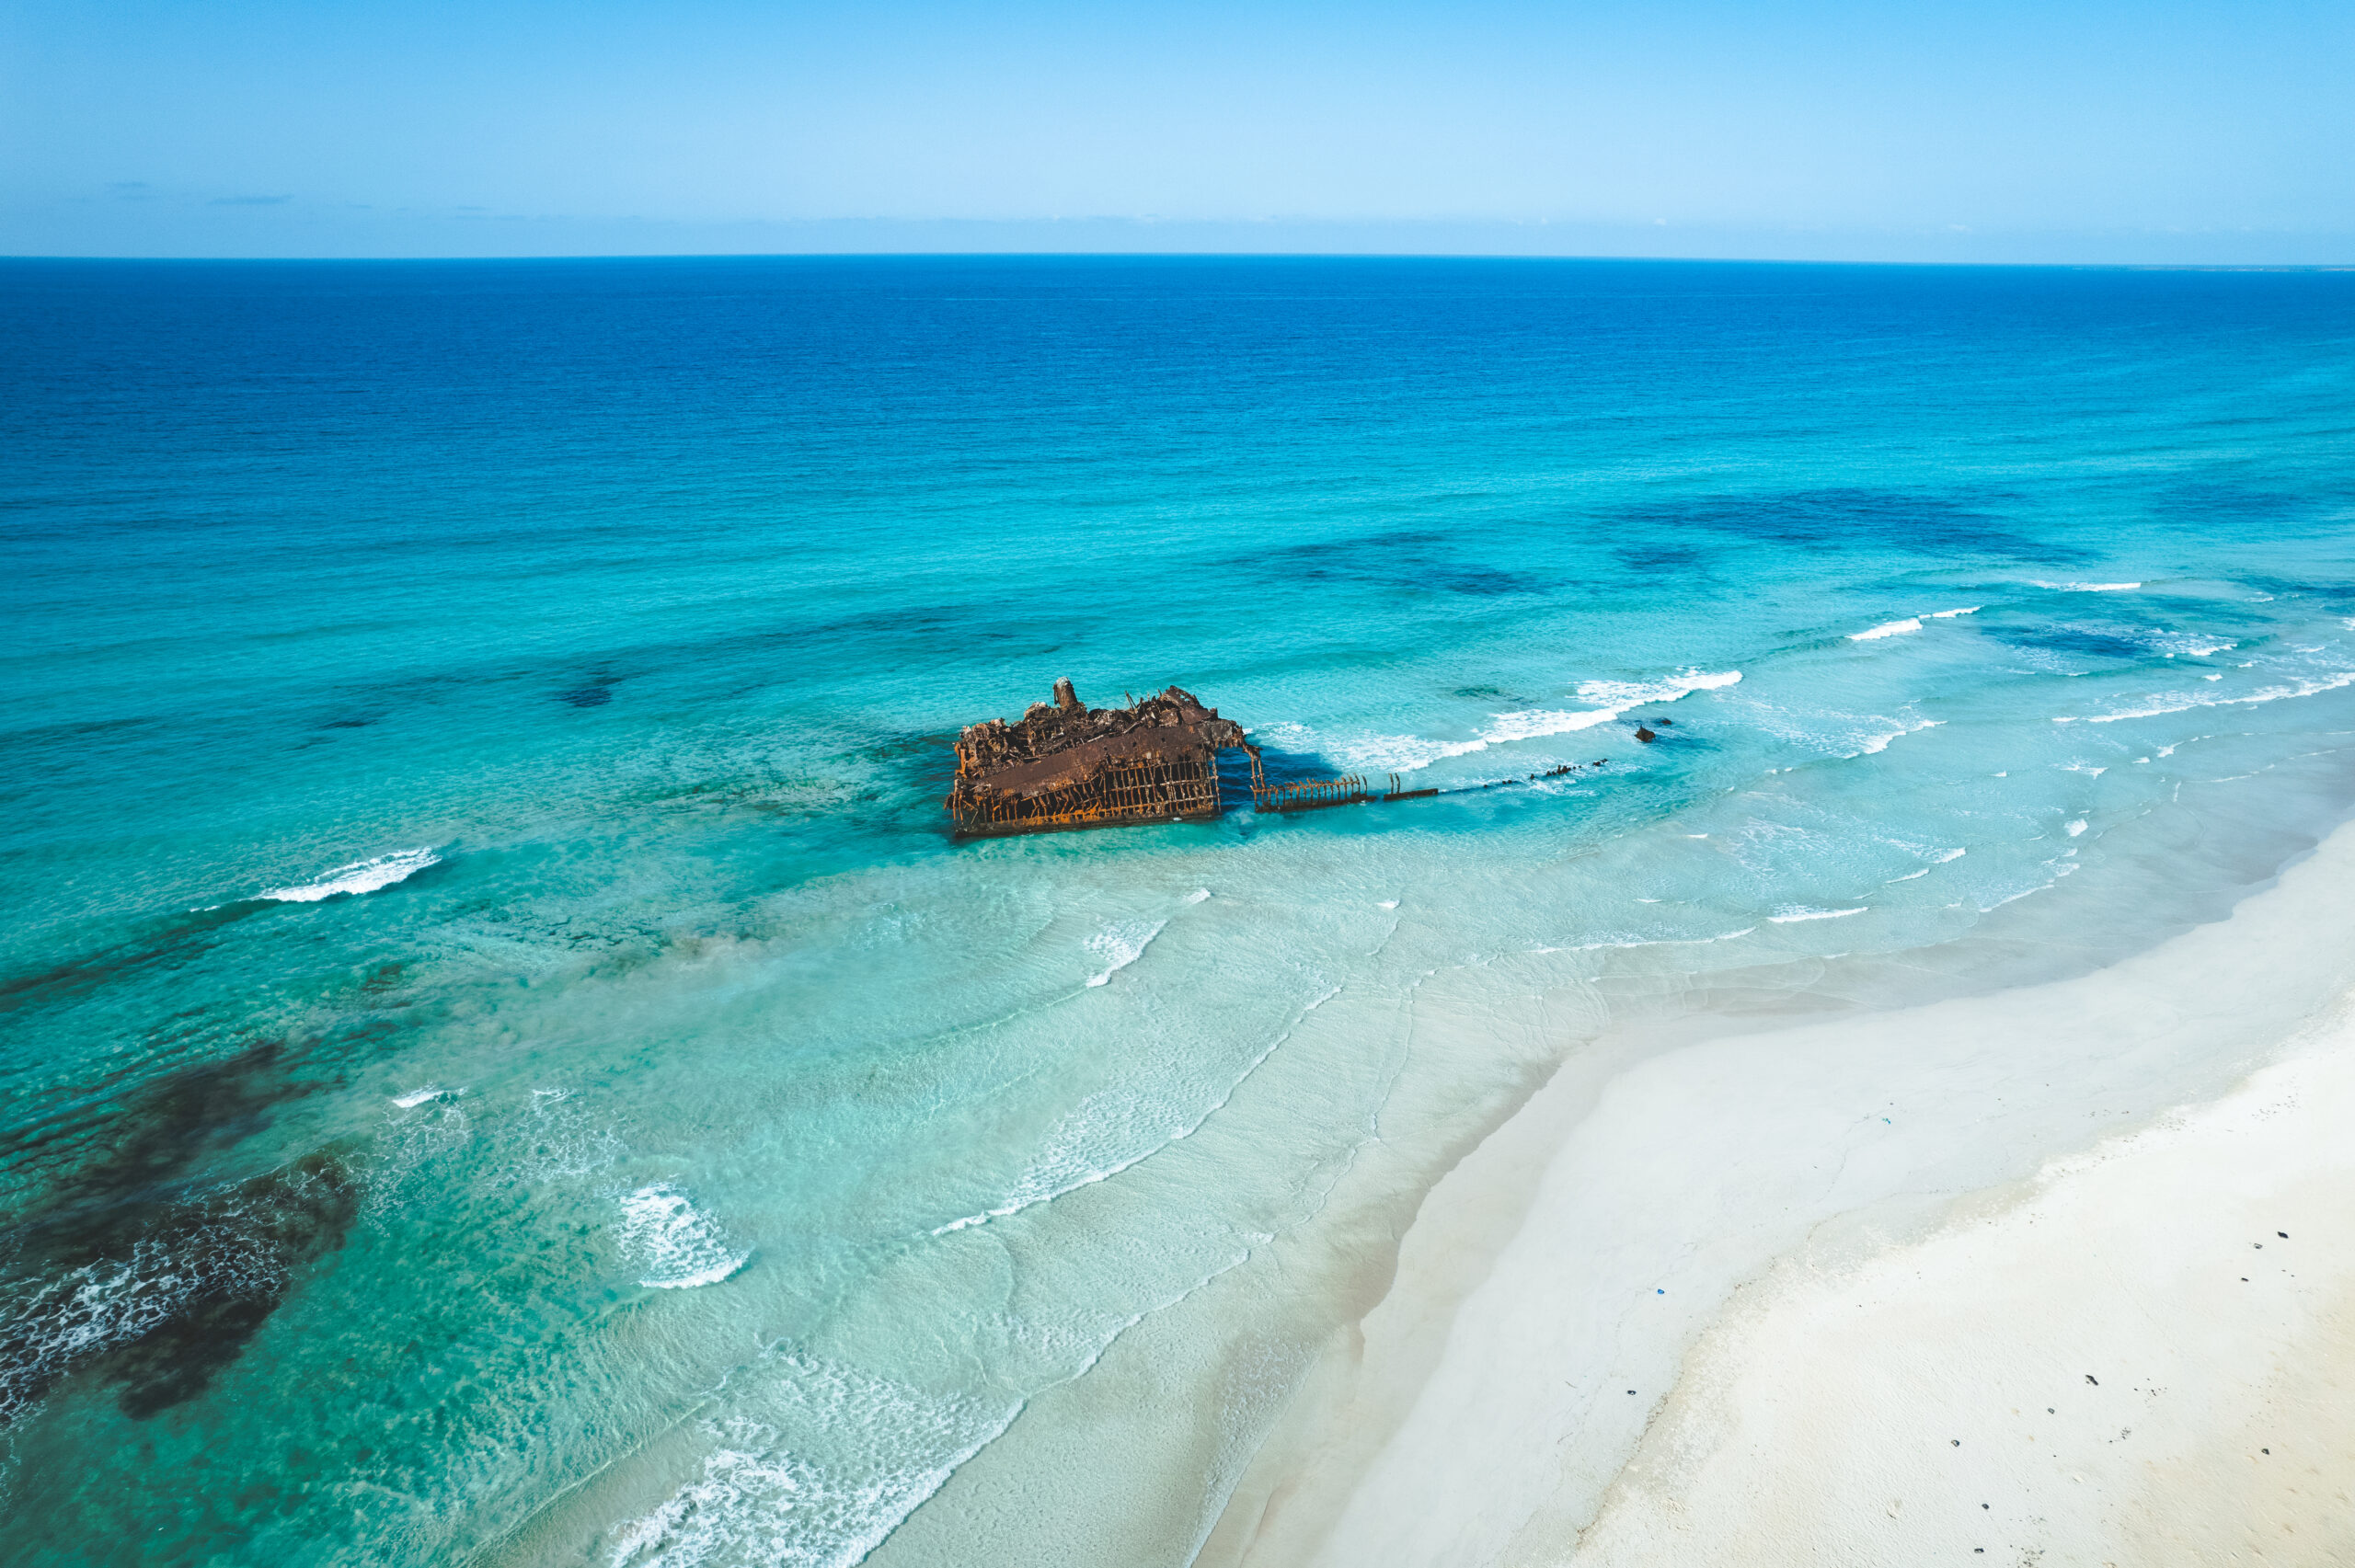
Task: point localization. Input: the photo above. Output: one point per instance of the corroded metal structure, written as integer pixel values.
(1308, 795)
(1064, 764)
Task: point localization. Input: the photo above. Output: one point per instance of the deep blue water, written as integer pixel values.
(672, 1147)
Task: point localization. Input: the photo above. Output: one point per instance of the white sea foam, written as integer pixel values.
(745, 1497)
(2192, 645)
(1880, 742)
(360, 877)
(675, 1243)
(865, 1452)
(410, 1144)
(2178, 702)
(1408, 753)
(1615, 697)
(2077, 827)
(1950, 614)
(2086, 587)
(49, 1324)
(1198, 896)
(1806, 914)
(1887, 629)
(417, 1097)
(1121, 945)
(1388, 904)
(566, 1139)
(1942, 858)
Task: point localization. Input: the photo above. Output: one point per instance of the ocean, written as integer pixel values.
(504, 1062)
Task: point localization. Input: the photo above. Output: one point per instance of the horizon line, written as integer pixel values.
(7, 258)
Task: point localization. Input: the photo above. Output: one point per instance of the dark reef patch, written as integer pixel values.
(105, 1157)
(164, 1290)
(170, 940)
(136, 1267)
(2075, 640)
(1417, 560)
(1843, 518)
(1660, 558)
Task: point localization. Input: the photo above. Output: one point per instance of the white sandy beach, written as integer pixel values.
(1995, 1279)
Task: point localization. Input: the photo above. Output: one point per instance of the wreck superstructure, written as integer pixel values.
(1064, 764)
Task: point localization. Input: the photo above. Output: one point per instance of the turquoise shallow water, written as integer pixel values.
(502, 1062)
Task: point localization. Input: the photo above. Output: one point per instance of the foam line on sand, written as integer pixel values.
(1615, 1332)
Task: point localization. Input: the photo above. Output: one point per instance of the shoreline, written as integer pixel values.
(1614, 1233)
(2144, 1357)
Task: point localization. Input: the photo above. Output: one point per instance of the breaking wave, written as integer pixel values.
(840, 1457)
(360, 877)
(2178, 702)
(1879, 742)
(1407, 753)
(1121, 945)
(675, 1243)
(1887, 629)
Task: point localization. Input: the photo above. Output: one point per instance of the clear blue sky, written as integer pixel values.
(2069, 129)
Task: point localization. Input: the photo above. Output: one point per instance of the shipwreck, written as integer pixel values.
(1064, 764)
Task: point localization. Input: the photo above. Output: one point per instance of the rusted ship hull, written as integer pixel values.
(1064, 766)
(1173, 792)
